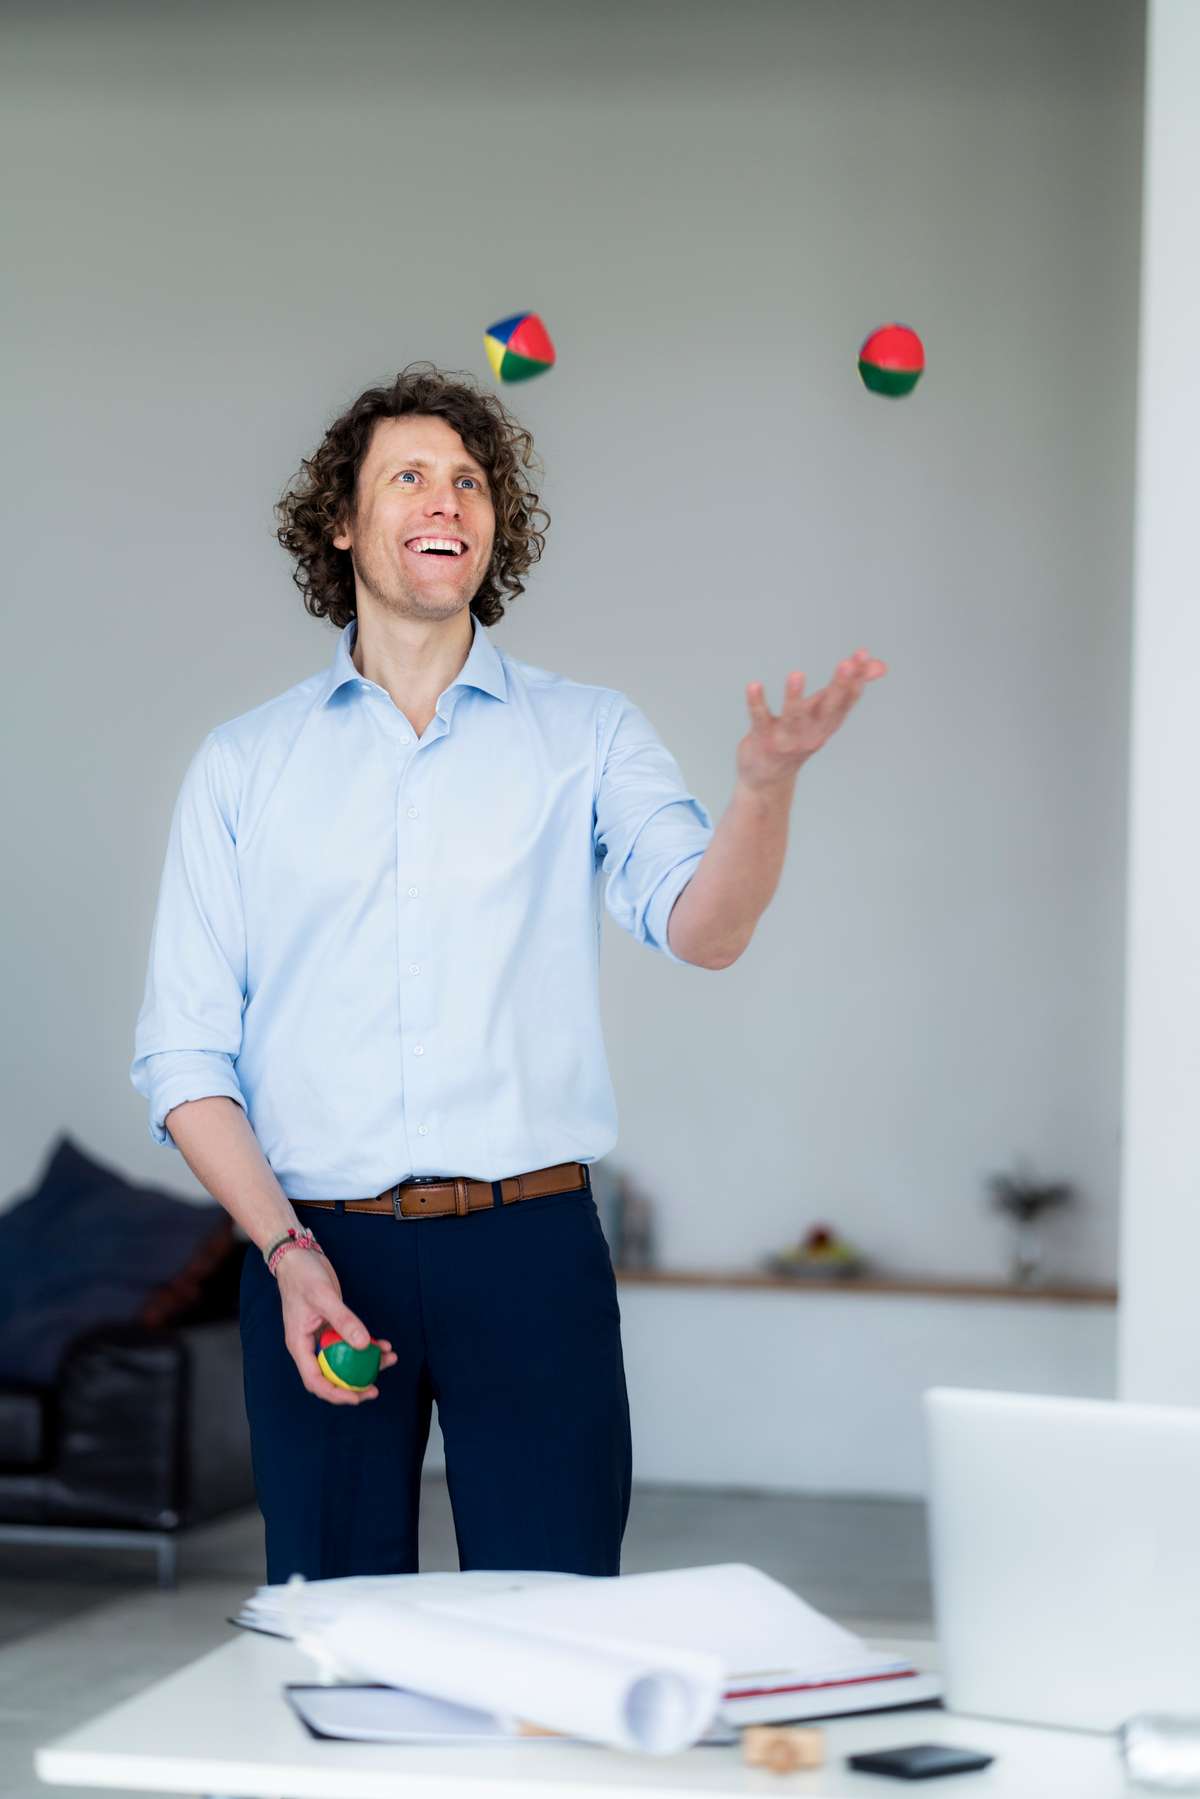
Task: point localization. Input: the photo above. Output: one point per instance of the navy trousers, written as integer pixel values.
(508, 1321)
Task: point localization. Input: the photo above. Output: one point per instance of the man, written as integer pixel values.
(371, 1019)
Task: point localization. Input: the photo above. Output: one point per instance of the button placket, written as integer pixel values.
(412, 951)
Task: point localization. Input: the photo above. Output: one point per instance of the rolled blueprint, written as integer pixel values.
(652, 1701)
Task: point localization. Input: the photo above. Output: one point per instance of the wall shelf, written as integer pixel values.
(912, 1286)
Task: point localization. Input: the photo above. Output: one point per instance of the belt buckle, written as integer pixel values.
(416, 1180)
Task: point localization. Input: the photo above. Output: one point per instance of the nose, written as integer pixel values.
(443, 499)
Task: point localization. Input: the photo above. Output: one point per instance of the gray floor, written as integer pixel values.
(82, 1630)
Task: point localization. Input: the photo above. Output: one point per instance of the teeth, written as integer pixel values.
(436, 543)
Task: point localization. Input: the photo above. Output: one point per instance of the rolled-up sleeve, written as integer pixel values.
(189, 1030)
(649, 831)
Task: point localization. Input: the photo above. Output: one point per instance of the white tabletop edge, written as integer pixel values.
(168, 1739)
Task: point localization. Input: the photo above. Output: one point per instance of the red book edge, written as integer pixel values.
(816, 1686)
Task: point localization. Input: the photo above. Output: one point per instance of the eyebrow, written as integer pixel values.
(460, 468)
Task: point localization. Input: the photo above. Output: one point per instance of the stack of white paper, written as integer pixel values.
(288, 1608)
(782, 1659)
(643, 1662)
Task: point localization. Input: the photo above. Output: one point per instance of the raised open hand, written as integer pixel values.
(774, 748)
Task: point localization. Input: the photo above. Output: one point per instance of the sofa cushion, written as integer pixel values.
(22, 1428)
(88, 1247)
(206, 1289)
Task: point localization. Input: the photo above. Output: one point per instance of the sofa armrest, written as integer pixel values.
(24, 1436)
(217, 1472)
(120, 1445)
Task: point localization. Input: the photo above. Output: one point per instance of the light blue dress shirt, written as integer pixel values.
(388, 950)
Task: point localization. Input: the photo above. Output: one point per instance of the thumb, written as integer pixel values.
(349, 1328)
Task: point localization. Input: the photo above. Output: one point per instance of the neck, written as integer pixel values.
(413, 660)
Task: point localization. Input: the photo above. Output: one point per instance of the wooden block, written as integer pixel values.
(783, 1748)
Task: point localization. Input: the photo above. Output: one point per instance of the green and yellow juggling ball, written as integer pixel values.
(519, 347)
(891, 361)
(344, 1365)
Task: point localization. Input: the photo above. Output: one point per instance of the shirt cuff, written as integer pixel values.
(174, 1076)
(663, 898)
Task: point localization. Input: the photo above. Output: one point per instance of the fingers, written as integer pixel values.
(760, 712)
(325, 1389)
(310, 1374)
(834, 701)
(309, 1368)
(849, 679)
(314, 1299)
(863, 667)
(350, 1329)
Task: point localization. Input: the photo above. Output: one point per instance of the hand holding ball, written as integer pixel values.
(344, 1365)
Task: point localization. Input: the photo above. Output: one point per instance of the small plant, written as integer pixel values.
(1025, 1199)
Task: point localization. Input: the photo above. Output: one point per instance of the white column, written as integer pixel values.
(1159, 1324)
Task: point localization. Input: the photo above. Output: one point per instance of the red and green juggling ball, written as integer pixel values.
(891, 361)
(344, 1365)
(519, 347)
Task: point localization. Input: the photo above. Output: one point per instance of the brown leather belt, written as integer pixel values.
(436, 1195)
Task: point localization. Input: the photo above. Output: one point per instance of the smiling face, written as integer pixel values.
(422, 534)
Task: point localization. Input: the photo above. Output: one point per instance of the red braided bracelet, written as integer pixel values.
(293, 1240)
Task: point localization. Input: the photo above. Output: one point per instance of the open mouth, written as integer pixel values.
(450, 547)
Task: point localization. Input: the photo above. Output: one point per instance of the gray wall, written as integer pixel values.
(231, 221)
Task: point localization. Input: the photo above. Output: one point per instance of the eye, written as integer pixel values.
(405, 473)
(471, 479)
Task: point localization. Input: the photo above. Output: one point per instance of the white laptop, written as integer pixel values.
(1065, 1554)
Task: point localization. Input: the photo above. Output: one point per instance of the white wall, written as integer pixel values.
(1160, 1236)
(822, 1391)
(233, 219)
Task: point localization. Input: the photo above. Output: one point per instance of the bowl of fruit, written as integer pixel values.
(821, 1253)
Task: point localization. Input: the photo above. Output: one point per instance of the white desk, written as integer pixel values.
(222, 1726)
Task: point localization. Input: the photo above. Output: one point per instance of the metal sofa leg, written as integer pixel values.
(167, 1552)
(163, 1543)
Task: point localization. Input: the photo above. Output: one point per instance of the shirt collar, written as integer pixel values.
(483, 667)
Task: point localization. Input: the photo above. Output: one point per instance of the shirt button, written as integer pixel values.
(414, 968)
(412, 812)
(418, 1049)
(422, 1130)
(413, 892)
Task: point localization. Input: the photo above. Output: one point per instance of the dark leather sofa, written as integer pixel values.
(136, 1428)
(143, 1434)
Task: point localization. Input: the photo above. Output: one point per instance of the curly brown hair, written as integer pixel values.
(323, 497)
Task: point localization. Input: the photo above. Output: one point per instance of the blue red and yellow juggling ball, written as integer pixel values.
(344, 1365)
(891, 361)
(519, 347)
